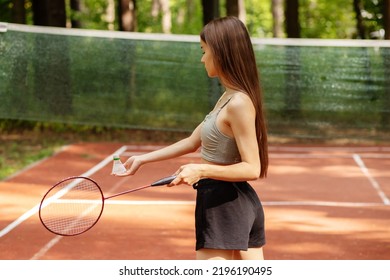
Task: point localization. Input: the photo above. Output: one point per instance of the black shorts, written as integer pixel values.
(228, 216)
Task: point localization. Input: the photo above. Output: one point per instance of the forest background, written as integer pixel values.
(341, 19)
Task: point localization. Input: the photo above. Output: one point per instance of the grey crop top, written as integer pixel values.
(216, 146)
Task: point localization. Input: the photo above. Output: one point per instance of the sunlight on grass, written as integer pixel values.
(16, 156)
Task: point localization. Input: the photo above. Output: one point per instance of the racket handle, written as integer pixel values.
(163, 181)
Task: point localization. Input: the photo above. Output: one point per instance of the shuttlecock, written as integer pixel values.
(118, 167)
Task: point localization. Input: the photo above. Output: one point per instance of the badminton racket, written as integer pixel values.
(74, 205)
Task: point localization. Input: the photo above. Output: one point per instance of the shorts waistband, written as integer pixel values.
(209, 183)
(202, 183)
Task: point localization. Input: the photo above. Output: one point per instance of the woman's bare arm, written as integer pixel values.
(182, 147)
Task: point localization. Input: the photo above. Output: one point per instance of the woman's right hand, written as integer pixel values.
(132, 164)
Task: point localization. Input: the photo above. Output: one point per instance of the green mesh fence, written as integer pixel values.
(337, 91)
(313, 88)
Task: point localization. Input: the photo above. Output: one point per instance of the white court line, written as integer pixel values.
(264, 203)
(376, 149)
(321, 203)
(287, 152)
(190, 155)
(47, 247)
(35, 209)
(372, 180)
(93, 170)
(311, 156)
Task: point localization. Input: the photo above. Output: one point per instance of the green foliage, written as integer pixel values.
(145, 21)
(259, 18)
(5, 10)
(327, 19)
(186, 17)
(373, 17)
(337, 19)
(92, 15)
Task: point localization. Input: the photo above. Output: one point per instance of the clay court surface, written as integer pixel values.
(320, 202)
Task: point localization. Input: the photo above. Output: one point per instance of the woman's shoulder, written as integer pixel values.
(240, 102)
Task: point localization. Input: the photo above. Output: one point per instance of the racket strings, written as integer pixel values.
(72, 206)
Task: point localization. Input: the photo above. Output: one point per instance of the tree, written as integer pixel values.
(277, 15)
(361, 30)
(75, 9)
(386, 19)
(49, 12)
(18, 12)
(370, 18)
(236, 8)
(163, 7)
(293, 28)
(127, 15)
(110, 14)
(210, 10)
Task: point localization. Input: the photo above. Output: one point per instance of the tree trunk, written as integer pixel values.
(210, 10)
(277, 15)
(166, 16)
(49, 12)
(163, 6)
(293, 28)
(18, 12)
(232, 8)
(358, 7)
(127, 15)
(386, 19)
(110, 14)
(75, 7)
(236, 8)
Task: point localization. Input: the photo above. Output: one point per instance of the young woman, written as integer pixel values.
(229, 217)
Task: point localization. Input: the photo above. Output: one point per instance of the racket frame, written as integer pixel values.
(43, 205)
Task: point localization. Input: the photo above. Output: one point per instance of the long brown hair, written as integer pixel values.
(232, 50)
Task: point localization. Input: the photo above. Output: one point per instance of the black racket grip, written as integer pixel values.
(163, 181)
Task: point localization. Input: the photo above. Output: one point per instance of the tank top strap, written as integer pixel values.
(224, 104)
